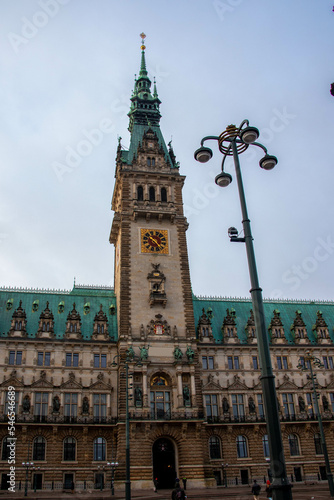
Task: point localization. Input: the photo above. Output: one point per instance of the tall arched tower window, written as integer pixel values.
(152, 193)
(140, 193)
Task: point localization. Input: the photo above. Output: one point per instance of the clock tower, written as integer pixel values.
(156, 330)
(148, 230)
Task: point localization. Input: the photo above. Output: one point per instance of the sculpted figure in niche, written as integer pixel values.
(85, 405)
(143, 353)
(301, 404)
(130, 353)
(186, 395)
(55, 404)
(190, 354)
(251, 405)
(138, 396)
(226, 406)
(177, 353)
(26, 403)
(325, 403)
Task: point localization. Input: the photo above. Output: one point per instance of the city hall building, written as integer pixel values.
(186, 367)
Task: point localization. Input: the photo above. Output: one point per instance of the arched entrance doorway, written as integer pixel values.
(164, 463)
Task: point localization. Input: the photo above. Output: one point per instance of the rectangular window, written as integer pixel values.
(100, 407)
(330, 362)
(207, 362)
(288, 404)
(41, 406)
(279, 362)
(70, 406)
(43, 359)
(72, 359)
(238, 406)
(15, 358)
(230, 362)
(236, 362)
(282, 362)
(332, 401)
(100, 360)
(211, 404)
(260, 405)
(309, 401)
(325, 362)
(255, 363)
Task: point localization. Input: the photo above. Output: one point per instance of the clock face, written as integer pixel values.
(154, 241)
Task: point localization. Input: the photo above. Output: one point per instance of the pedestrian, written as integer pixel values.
(155, 483)
(269, 490)
(184, 481)
(72, 487)
(256, 490)
(178, 493)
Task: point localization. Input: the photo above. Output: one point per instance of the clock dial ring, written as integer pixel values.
(154, 241)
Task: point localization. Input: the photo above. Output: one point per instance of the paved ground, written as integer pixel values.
(299, 492)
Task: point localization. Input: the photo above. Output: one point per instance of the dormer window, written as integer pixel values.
(150, 162)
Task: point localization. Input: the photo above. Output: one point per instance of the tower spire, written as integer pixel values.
(143, 71)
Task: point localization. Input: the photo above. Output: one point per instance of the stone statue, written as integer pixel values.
(190, 354)
(85, 405)
(143, 353)
(55, 404)
(138, 396)
(26, 403)
(130, 353)
(186, 394)
(301, 404)
(226, 406)
(251, 405)
(325, 404)
(178, 353)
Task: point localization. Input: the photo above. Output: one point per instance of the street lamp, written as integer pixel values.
(130, 358)
(27, 465)
(113, 466)
(309, 361)
(232, 142)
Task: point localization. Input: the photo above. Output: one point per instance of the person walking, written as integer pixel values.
(256, 490)
(178, 493)
(269, 490)
(184, 481)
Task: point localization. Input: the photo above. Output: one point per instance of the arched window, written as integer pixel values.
(242, 451)
(152, 193)
(294, 445)
(318, 444)
(38, 452)
(5, 448)
(140, 193)
(215, 447)
(99, 449)
(265, 445)
(164, 195)
(69, 449)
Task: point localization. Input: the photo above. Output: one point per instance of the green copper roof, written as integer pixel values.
(80, 295)
(287, 310)
(144, 114)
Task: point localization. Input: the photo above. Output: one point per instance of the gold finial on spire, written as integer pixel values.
(142, 36)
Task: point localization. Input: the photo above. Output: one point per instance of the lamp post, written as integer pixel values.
(27, 465)
(130, 358)
(309, 361)
(113, 466)
(232, 142)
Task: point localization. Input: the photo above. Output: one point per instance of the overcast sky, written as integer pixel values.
(67, 68)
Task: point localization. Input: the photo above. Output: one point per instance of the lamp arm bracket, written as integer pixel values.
(209, 137)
